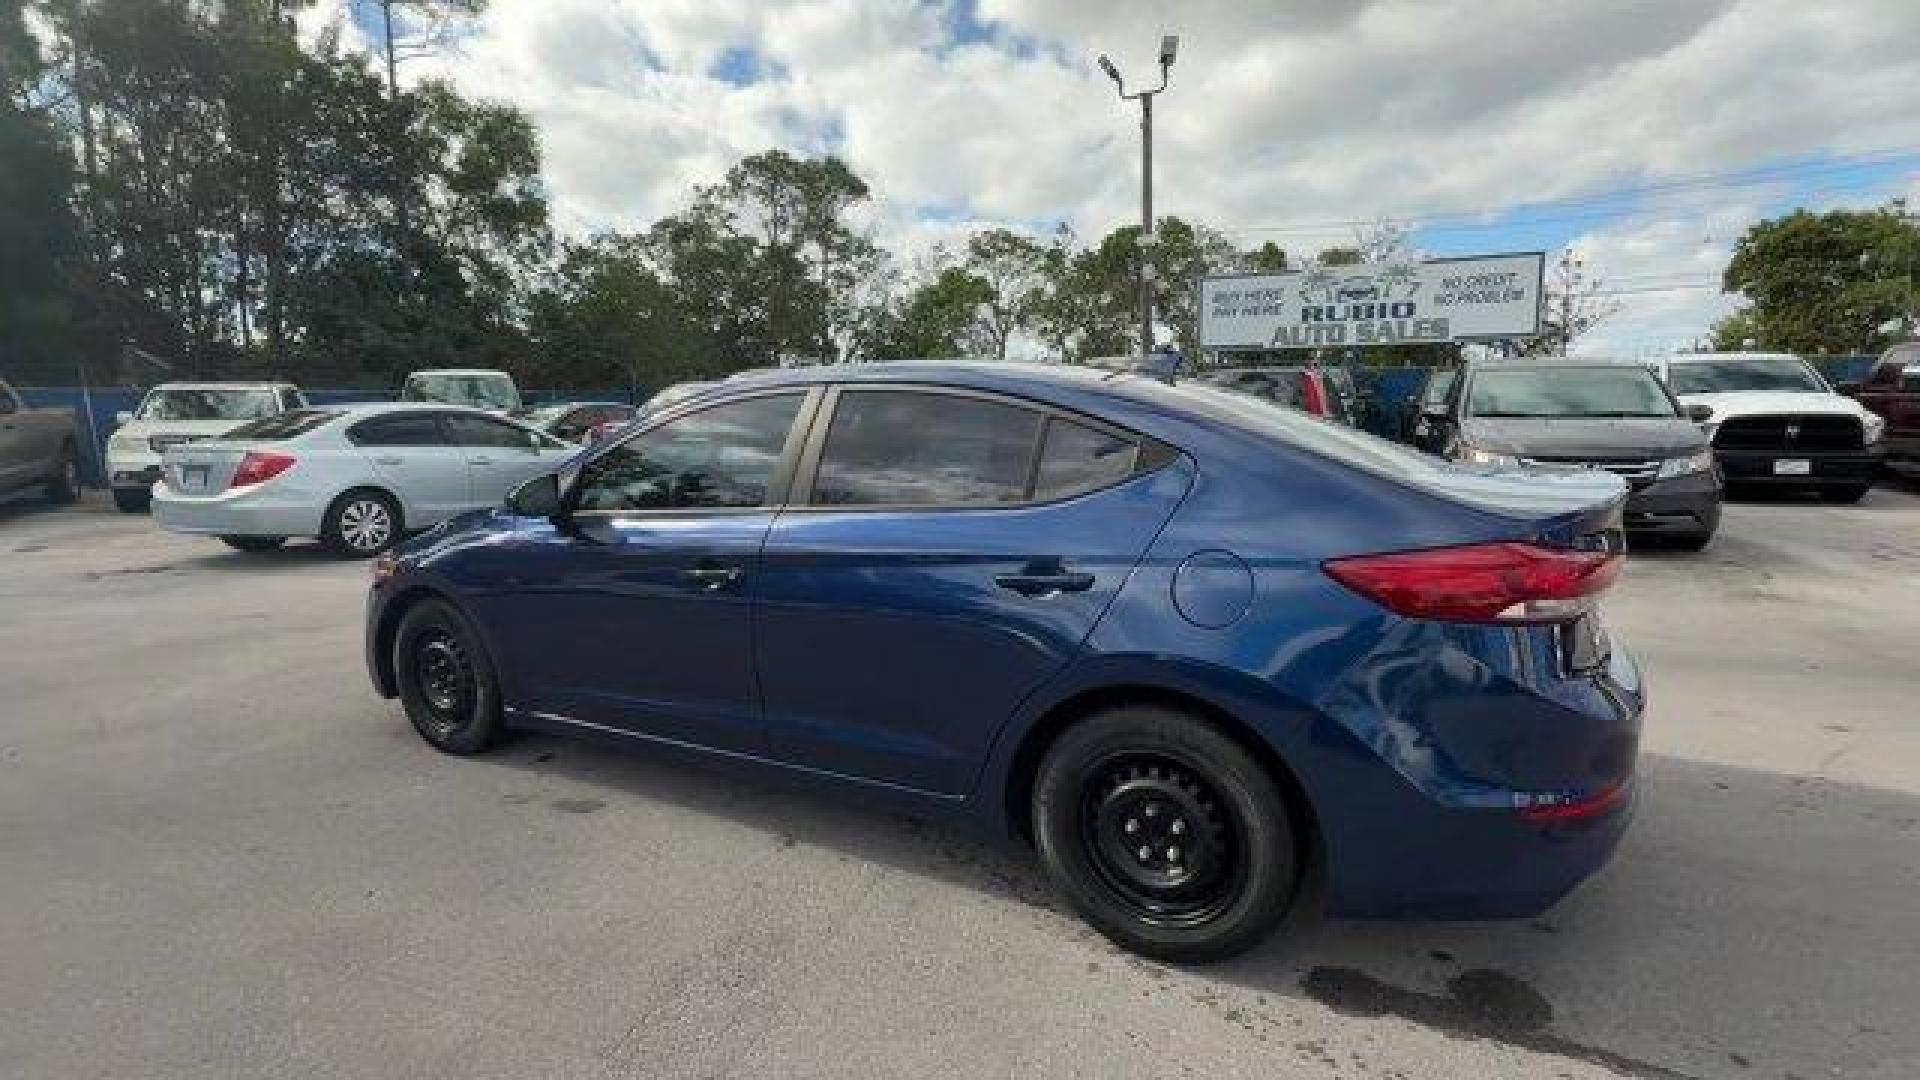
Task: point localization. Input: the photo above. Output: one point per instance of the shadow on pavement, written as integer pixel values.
(1753, 924)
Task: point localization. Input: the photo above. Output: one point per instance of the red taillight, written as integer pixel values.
(1484, 583)
(258, 468)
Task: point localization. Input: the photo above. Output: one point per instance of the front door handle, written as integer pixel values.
(711, 578)
(390, 460)
(480, 461)
(1035, 581)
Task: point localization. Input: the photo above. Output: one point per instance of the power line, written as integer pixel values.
(1738, 178)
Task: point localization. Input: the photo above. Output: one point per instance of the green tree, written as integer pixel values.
(799, 206)
(38, 233)
(1011, 272)
(937, 320)
(1837, 282)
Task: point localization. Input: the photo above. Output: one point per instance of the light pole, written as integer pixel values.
(1169, 44)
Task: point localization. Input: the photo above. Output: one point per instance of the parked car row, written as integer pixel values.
(1681, 430)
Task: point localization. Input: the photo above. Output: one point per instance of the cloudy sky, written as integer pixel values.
(1646, 133)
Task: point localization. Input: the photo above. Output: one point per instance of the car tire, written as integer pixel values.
(361, 524)
(1113, 799)
(253, 543)
(132, 500)
(446, 680)
(64, 486)
(1852, 493)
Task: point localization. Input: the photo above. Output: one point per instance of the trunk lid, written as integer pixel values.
(1569, 507)
(205, 469)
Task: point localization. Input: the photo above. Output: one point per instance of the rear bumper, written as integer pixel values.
(1684, 504)
(1435, 809)
(1747, 468)
(258, 511)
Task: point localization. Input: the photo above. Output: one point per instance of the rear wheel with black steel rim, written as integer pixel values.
(447, 683)
(361, 524)
(1165, 833)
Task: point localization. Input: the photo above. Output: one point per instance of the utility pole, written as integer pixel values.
(1169, 45)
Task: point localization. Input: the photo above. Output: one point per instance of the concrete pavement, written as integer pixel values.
(221, 855)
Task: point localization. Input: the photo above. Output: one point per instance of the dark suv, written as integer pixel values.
(1586, 415)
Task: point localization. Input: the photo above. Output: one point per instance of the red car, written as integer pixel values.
(1323, 392)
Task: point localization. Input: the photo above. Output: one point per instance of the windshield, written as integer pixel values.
(1337, 441)
(1570, 391)
(191, 404)
(479, 389)
(1789, 373)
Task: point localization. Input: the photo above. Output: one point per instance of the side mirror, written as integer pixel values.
(123, 417)
(1435, 414)
(1699, 414)
(538, 497)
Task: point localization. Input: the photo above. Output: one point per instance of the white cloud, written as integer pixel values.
(1321, 111)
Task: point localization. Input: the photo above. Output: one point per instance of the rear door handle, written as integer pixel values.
(711, 578)
(1048, 583)
(480, 461)
(390, 460)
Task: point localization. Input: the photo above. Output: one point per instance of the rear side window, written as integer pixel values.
(722, 457)
(486, 431)
(398, 429)
(1076, 458)
(908, 448)
(287, 425)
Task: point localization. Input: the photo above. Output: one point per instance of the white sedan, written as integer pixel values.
(357, 477)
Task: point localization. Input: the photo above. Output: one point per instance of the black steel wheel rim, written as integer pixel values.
(445, 676)
(1160, 839)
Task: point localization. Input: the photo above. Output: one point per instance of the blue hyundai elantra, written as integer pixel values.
(1192, 645)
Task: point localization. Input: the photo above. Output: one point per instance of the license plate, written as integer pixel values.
(1584, 645)
(193, 475)
(1793, 467)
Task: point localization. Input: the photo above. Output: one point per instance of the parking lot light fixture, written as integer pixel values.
(1169, 47)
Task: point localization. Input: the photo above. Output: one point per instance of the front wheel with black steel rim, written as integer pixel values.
(361, 524)
(1166, 834)
(447, 683)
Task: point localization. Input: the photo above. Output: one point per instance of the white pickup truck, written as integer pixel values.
(39, 448)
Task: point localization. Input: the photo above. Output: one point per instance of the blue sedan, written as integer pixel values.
(1193, 646)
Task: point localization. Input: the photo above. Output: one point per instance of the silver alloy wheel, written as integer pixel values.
(366, 525)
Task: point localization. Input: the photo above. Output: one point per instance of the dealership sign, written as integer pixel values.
(1497, 296)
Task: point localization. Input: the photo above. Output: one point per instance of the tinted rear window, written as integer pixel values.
(398, 429)
(1295, 428)
(1077, 458)
(287, 425)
